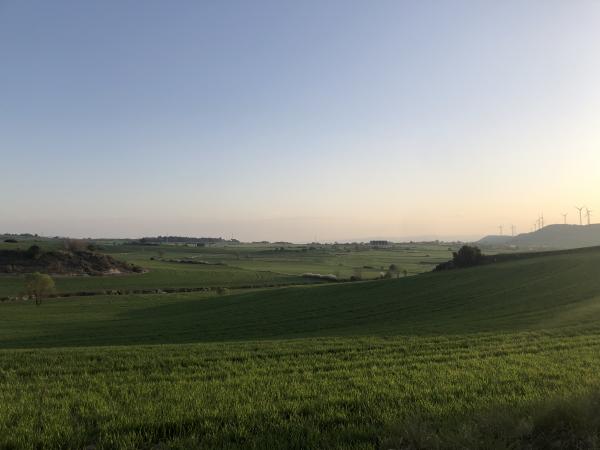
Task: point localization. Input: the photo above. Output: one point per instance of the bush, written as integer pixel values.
(394, 270)
(222, 290)
(34, 252)
(467, 256)
(555, 423)
(318, 276)
(11, 241)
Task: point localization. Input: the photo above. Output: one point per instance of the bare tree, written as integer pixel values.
(75, 245)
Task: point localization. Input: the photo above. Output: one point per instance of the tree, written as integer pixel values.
(75, 245)
(394, 270)
(467, 256)
(357, 274)
(34, 252)
(38, 286)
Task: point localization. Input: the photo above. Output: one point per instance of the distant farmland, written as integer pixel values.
(235, 266)
(490, 357)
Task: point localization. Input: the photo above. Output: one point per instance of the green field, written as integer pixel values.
(236, 266)
(497, 356)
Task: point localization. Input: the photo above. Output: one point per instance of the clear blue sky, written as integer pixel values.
(295, 120)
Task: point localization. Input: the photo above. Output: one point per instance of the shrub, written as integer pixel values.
(318, 276)
(34, 252)
(394, 270)
(554, 423)
(467, 256)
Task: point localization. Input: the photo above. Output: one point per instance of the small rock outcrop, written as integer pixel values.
(62, 263)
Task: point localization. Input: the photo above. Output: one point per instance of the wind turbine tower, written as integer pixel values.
(565, 217)
(579, 209)
(512, 230)
(589, 215)
(501, 230)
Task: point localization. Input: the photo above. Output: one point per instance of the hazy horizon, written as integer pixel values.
(297, 121)
(397, 239)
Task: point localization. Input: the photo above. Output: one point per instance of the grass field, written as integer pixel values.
(461, 359)
(238, 265)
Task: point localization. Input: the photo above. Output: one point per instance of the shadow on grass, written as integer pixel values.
(557, 423)
(524, 296)
(385, 308)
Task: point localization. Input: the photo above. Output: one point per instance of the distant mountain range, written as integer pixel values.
(552, 236)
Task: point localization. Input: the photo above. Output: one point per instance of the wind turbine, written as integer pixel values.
(589, 215)
(565, 217)
(501, 230)
(579, 209)
(542, 220)
(512, 230)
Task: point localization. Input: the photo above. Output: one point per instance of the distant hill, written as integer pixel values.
(552, 236)
(495, 240)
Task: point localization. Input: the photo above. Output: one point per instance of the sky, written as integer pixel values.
(297, 121)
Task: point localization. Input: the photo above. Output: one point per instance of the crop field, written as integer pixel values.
(499, 356)
(236, 266)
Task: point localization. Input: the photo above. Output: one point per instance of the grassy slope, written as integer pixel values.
(244, 266)
(162, 275)
(364, 357)
(533, 294)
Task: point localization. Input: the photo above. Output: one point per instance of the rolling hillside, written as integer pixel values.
(559, 289)
(430, 361)
(551, 236)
